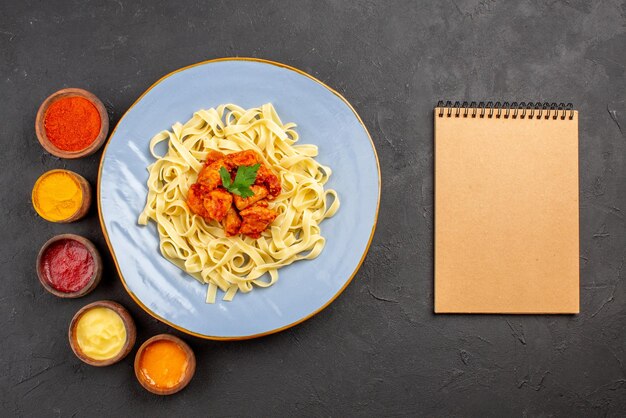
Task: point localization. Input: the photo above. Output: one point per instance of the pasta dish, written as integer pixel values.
(235, 197)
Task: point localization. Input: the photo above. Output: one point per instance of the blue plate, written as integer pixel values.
(324, 118)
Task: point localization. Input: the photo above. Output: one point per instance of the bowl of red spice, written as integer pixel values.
(69, 266)
(72, 123)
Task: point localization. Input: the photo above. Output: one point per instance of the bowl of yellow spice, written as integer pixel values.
(61, 196)
(102, 333)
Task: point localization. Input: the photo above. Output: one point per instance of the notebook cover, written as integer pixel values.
(506, 215)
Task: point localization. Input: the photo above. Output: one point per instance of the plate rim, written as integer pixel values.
(112, 251)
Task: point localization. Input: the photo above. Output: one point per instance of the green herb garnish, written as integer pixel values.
(246, 175)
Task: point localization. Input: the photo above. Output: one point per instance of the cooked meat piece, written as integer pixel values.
(256, 219)
(233, 161)
(209, 178)
(231, 222)
(195, 200)
(249, 216)
(222, 162)
(260, 192)
(247, 157)
(217, 202)
(214, 156)
(267, 178)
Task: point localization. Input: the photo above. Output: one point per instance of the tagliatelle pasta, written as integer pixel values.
(201, 248)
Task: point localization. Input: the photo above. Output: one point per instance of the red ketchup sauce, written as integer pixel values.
(67, 265)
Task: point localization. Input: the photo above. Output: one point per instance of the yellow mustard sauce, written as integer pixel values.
(100, 333)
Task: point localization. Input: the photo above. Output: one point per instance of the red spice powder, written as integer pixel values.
(72, 123)
(67, 265)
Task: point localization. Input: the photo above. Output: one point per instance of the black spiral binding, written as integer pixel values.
(506, 110)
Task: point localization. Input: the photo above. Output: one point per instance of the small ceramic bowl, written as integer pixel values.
(84, 187)
(189, 372)
(93, 281)
(129, 324)
(40, 129)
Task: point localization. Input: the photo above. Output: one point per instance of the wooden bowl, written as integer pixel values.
(97, 271)
(191, 365)
(129, 324)
(40, 129)
(84, 187)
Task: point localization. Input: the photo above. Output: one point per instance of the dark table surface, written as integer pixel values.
(378, 349)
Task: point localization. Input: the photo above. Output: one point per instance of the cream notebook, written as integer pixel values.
(506, 208)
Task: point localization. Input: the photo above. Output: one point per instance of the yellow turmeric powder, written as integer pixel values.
(57, 195)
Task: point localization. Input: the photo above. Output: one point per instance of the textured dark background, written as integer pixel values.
(379, 349)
